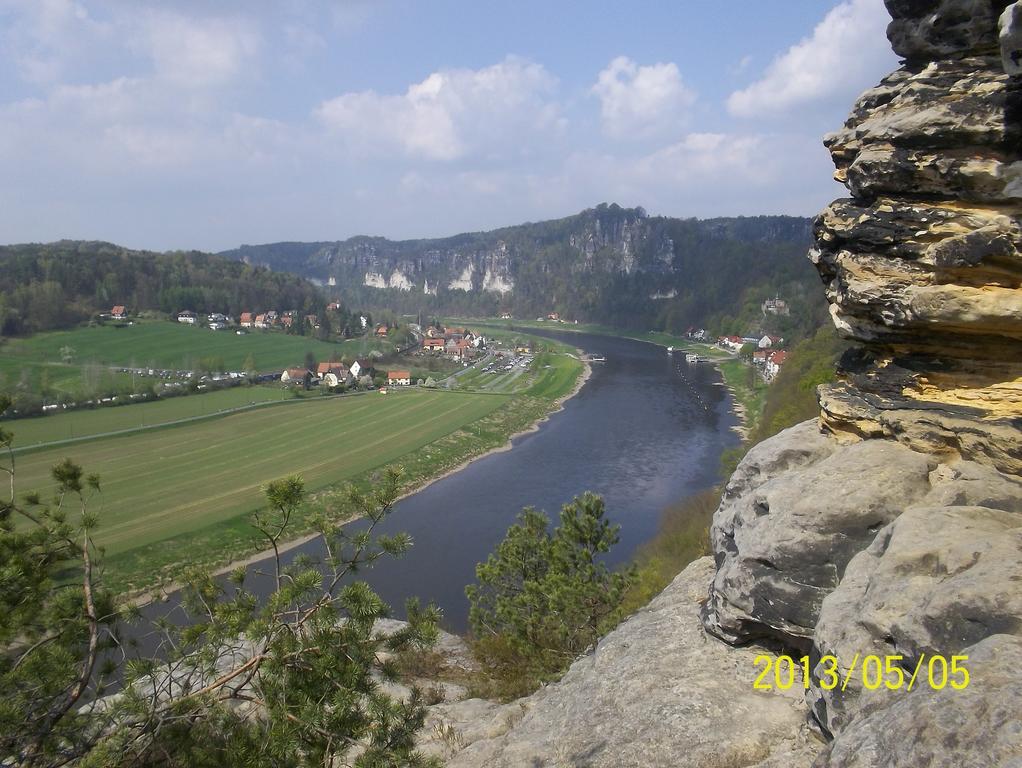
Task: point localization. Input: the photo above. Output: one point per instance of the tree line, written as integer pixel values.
(56, 285)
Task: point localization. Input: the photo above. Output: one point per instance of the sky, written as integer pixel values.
(190, 124)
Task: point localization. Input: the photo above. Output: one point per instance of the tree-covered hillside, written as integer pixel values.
(607, 264)
(56, 285)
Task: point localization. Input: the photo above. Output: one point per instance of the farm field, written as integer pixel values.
(83, 423)
(160, 344)
(159, 484)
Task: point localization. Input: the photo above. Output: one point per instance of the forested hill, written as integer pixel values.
(59, 284)
(608, 264)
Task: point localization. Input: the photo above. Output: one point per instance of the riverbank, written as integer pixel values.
(452, 453)
(747, 393)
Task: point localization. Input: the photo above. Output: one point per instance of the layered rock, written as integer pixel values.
(893, 528)
(923, 264)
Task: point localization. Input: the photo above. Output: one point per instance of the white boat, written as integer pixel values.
(670, 350)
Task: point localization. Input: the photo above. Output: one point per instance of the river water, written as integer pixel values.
(644, 432)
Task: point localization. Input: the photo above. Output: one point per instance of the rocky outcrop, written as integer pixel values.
(1010, 39)
(782, 545)
(923, 264)
(893, 528)
(656, 692)
(976, 727)
(936, 581)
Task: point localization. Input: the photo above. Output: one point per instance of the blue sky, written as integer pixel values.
(204, 125)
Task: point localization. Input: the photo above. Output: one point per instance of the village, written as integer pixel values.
(455, 345)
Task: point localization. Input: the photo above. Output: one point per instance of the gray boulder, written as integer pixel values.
(923, 31)
(935, 581)
(1010, 37)
(977, 727)
(782, 543)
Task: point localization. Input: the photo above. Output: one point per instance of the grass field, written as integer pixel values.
(83, 423)
(158, 344)
(162, 483)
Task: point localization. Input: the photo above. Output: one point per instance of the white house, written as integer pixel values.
(774, 362)
(186, 317)
(360, 368)
(769, 341)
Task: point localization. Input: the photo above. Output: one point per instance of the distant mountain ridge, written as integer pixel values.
(607, 263)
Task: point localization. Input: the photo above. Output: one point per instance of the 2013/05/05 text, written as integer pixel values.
(892, 672)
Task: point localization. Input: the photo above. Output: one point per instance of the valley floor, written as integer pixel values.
(182, 494)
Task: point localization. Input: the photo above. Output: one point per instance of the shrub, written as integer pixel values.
(543, 598)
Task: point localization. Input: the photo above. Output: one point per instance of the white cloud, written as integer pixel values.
(45, 39)
(641, 101)
(848, 48)
(451, 114)
(198, 51)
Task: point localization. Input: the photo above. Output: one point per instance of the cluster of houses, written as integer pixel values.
(272, 319)
(335, 374)
(765, 356)
(455, 343)
(735, 343)
(553, 317)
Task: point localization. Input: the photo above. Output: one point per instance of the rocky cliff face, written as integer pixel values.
(606, 263)
(922, 265)
(894, 526)
(891, 526)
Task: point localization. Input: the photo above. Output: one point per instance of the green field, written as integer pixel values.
(182, 493)
(83, 423)
(193, 479)
(158, 344)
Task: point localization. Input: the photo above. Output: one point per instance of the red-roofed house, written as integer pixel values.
(295, 375)
(775, 361)
(119, 312)
(332, 374)
(245, 321)
(433, 345)
(399, 378)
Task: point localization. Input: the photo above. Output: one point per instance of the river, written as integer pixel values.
(644, 432)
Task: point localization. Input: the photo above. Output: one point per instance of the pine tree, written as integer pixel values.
(289, 680)
(544, 598)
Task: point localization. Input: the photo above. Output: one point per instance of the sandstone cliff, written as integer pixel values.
(893, 524)
(606, 263)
